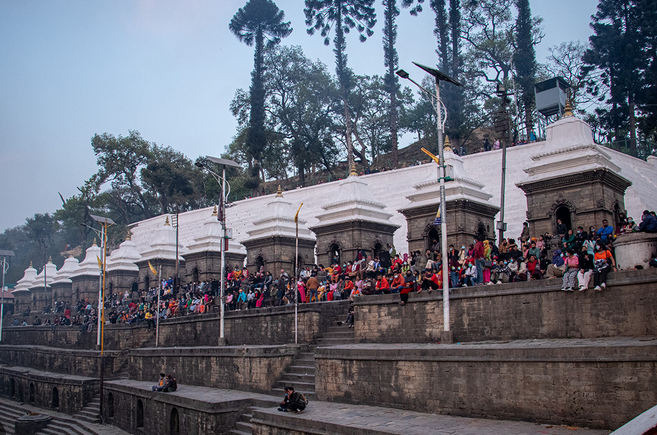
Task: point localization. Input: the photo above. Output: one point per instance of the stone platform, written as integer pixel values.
(202, 404)
(246, 368)
(67, 393)
(599, 383)
(335, 418)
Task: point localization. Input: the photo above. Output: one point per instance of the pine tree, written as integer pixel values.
(257, 21)
(525, 62)
(342, 16)
(391, 61)
(622, 47)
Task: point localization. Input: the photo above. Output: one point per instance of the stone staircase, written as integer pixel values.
(8, 415)
(243, 425)
(91, 412)
(301, 373)
(61, 424)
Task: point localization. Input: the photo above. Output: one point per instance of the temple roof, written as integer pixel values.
(89, 266)
(46, 276)
(278, 221)
(355, 203)
(26, 281)
(125, 257)
(70, 266)
(163, 246)
(569, 148)
(209, 238)
(461, 187)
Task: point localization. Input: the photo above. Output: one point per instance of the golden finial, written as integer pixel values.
(31, 265)
(568, 111)
(353, 169)
(50, 260)
(166, 222)
(128, 236)
(279, 192)
(94, 244)
(215, 212)
(447, 147)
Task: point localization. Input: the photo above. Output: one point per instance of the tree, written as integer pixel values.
(342, 16)
(525, 61)
(391, 62)
(566, 60)
(173, 179)
(120, 160)
(621, 48)
(256, 21)
(302, 103)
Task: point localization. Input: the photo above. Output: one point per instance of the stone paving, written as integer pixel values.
(395, 421)
(513, 344)
(386, 420)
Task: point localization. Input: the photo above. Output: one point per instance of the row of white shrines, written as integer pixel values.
(567, 176)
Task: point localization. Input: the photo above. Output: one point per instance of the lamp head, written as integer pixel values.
(403, 74)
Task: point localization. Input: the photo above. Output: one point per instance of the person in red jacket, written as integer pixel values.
(397, 282)
(409, 286)
(382, 285)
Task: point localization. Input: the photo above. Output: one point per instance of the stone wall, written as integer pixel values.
(599, 384)
(238, 368)
(159, 412)
(66, 361)
(253, 327)
(538, 309)
(68, 394)
(116, 337)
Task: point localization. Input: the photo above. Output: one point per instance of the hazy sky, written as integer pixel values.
(167, 68)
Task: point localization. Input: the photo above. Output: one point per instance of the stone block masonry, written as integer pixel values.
(600, 383)
(64, 361)
(253, 368)
(253, 327)
(64, 393)
(537, 309)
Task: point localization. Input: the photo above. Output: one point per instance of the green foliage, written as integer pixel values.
(623, 51)
(525, 61)
(256, 21)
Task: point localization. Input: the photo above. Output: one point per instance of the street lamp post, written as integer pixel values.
(5, 267)
(446, 336)
(105, 223)
(224, 235)
(502, 127)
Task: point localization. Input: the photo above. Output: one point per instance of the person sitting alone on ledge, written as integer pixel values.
(293, 401)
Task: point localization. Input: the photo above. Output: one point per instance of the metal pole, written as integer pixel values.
(157, 312)
(296, 281)
(175, 283)
(501, 230)
(443, 215)
(222, 211)
(100, 285)
(2, 305)
(101, 312)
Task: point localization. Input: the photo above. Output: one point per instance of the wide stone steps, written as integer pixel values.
(243, 425)
(299, 369)
(301, 373)
(91, 412)
(8, 417)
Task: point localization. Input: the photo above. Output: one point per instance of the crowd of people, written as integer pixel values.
(579, 257)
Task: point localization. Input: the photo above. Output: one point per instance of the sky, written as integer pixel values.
(70, 69)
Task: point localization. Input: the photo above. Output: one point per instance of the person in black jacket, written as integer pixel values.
(293, 401)
(648, 223)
